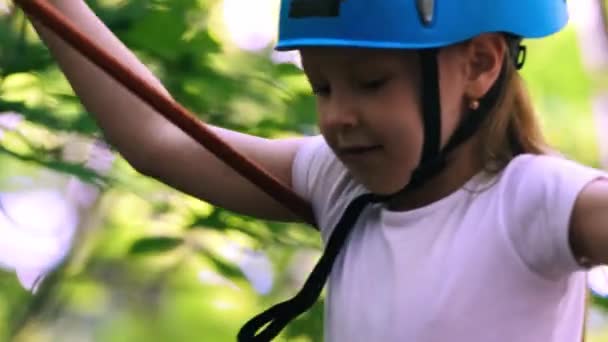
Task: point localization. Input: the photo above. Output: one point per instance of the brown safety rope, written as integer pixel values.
(51, 18)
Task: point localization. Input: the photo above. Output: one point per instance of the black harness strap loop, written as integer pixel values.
(281, 314)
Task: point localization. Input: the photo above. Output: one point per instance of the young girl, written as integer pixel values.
(445, 216)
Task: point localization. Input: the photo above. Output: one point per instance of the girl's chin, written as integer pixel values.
(380, 186)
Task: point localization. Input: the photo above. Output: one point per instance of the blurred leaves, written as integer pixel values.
(144, 287)
(155, 245)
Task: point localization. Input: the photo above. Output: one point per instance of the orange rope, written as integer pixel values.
(170, 109)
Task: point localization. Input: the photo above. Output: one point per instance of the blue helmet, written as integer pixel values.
(412, 24)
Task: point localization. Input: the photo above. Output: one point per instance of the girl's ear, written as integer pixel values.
(484, 60)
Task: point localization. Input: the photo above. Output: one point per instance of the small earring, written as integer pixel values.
(474, 105)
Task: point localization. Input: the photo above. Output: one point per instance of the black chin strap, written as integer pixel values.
(433, 160)
(431, 106)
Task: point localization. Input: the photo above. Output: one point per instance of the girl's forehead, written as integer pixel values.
(350, 52)
(314, 57)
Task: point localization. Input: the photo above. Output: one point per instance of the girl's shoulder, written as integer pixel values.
(531, 181)
(537, 194)
(319, 177)
(547, 170)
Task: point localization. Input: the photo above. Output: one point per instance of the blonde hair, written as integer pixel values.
(512, 128)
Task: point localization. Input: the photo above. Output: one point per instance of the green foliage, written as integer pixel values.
(561, 89)
(155, 245)
(134, 274)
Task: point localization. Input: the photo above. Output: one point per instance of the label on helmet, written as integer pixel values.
(314, 8)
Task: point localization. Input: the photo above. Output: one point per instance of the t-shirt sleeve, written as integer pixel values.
(319, 177)
(539, 198)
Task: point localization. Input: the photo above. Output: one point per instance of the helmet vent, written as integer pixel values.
(426, 10)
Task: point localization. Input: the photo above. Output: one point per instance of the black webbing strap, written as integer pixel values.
(278, 316)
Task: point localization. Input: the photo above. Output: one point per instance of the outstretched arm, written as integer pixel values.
(589, 225)
(156, 147)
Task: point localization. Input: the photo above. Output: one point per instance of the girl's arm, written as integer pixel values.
(154, 146)
(589, 225)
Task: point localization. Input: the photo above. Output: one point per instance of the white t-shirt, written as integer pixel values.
(490, 262)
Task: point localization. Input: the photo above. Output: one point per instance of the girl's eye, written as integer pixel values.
(320, 90)
(374, 84)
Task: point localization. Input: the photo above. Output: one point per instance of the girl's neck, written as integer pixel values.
(464, 163)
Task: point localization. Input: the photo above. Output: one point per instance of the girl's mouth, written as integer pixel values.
(357, 151)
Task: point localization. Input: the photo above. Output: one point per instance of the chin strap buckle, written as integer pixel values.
(520, 56)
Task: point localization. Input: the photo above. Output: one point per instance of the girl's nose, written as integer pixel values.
(341, 112)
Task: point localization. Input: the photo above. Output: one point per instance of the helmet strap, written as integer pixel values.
(434, 158)
(517, 51)
(431, 105)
